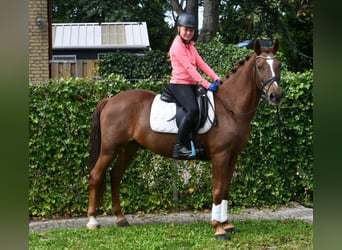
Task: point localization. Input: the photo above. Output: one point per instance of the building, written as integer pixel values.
(39, 52)
(64, 50)
(77, 47)
(90, 40)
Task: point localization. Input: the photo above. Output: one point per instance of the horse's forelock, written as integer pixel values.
(267, 50)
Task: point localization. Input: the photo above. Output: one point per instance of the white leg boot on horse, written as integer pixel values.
(96, 191)
(93, 223)
(219, 221)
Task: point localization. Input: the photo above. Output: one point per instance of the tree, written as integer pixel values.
(190, 6)
(210, 20)
(210, 15)
(297, 33)
(290, 21)
(67, 11)
(236, 20)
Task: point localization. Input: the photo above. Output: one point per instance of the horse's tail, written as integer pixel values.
(95, 134)
(95, 146)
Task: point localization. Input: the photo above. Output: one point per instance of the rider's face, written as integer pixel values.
(186, 33)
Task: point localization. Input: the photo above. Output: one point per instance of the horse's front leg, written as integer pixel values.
(222, 175)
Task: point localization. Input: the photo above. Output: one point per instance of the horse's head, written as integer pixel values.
(267, 68)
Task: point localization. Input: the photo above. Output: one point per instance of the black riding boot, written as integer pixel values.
(180, 150)
(183, 133)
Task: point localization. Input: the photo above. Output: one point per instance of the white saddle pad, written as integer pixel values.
(163, 116)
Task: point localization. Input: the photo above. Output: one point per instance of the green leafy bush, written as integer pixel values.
(152, 65)
(59, 119)
(262, 177)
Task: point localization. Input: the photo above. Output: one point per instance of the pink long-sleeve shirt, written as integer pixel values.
(184, 61)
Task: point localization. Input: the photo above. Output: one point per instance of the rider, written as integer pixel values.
(184, 61)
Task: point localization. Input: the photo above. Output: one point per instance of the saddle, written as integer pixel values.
(203, 103)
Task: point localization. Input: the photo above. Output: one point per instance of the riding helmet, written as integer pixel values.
(187, 20)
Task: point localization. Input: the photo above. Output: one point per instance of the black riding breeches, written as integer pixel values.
(186, 97)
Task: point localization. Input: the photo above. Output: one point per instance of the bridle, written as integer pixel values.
(264, 83)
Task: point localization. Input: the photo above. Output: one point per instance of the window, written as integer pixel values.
(63, 58)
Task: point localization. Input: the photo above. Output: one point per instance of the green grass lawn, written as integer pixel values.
(251, 234)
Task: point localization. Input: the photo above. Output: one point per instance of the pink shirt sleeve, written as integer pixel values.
(205, 67)
(189, 62)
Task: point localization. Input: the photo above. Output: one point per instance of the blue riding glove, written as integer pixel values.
(218, 81)
(212, 87)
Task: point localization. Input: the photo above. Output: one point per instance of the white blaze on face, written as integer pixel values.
(270, 63)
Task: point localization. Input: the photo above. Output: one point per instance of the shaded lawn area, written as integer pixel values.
(251, 234)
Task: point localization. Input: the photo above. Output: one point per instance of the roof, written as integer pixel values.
(124, 35)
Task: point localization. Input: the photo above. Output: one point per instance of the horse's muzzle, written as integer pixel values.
(275, 97)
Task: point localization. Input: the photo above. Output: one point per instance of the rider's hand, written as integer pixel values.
(212, 87)
(218, 81)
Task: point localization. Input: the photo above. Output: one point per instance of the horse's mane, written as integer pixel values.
(239, 64)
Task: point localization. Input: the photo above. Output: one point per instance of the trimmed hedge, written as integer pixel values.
(262, 176)
(153, 65)
(59, 123)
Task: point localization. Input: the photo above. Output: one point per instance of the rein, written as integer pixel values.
(229, 109)
(280, 138)
(286, 179)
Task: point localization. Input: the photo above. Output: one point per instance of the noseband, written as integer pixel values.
(264, 83)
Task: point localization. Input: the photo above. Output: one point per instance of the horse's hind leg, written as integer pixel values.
(96, 187)
(125, 157)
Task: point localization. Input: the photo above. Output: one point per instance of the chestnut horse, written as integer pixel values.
(121, 125)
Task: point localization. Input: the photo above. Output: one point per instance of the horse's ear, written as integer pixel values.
(275, 46)
(257, 46)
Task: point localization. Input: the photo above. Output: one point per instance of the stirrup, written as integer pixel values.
(193, 150)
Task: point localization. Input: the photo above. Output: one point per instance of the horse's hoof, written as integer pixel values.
(93, 226)
(122, 223)
(222, 237)
(230, 230)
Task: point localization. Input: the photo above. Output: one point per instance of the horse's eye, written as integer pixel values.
(259, 67)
